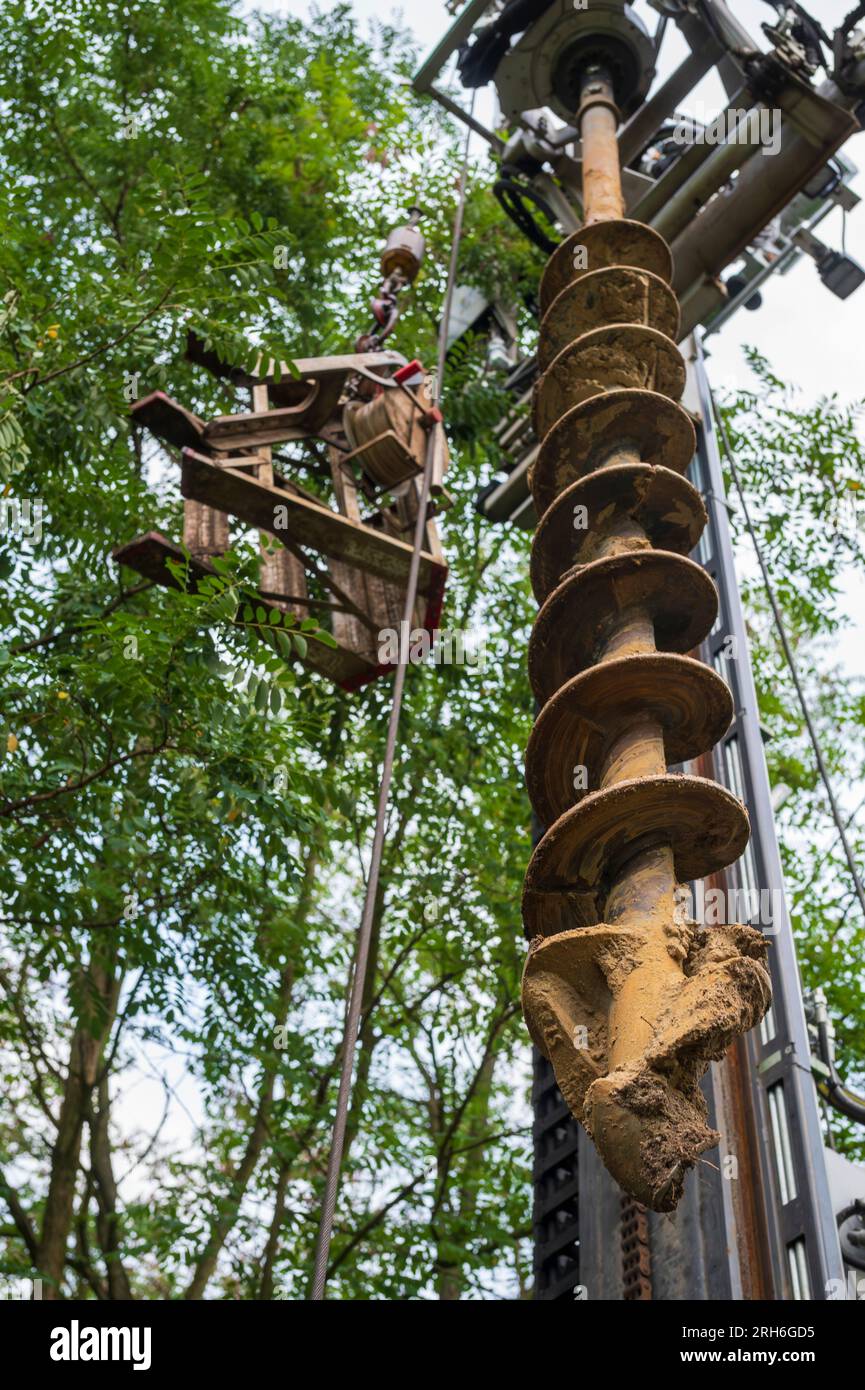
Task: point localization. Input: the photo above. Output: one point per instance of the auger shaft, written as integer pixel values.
(643, 894)
(625, 994)
(602, 176)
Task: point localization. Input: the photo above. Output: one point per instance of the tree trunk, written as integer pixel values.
(266, 1285)
(91, 1033)
(107, 1220)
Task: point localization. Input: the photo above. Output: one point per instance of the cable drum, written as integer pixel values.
(387, 437)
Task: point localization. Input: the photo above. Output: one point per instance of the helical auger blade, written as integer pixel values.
(623, 991)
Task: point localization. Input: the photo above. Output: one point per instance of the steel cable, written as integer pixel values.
(331, 1190)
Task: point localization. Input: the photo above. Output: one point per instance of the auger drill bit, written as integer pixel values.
(624, 993)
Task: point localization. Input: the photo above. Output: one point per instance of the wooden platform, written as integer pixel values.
(149, 555)
(306, 524)
(227, 470)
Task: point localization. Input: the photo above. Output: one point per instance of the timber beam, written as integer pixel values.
(169, 421)
(289, 384)
(304, 523)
